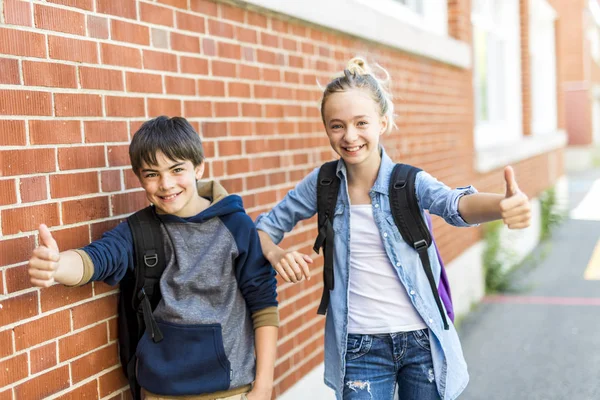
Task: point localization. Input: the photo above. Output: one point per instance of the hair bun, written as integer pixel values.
(358, 66)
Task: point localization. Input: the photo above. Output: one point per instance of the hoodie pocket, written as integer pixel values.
(190, 360)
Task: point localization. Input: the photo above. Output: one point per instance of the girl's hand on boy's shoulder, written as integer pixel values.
(515, 207)
(292, 265)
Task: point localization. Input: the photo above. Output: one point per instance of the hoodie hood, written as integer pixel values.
(222, 204)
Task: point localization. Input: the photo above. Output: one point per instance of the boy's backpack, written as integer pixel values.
(407, 216)
(140, 291)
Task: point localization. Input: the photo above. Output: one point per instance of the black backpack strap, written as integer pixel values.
(328, 185)
(409, 220)
(149, 266)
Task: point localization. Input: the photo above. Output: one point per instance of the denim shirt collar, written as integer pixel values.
(382, 182)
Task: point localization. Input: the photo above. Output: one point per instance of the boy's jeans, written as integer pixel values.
(376, 363)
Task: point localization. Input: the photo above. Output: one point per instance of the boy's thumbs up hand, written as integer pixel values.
(44, 260)
(515, 208)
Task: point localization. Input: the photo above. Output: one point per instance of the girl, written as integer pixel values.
(383, 327)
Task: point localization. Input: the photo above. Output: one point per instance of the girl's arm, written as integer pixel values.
(291, 265)
(513, 208)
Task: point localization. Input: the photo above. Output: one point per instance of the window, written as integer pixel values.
(542, 53)
(496, 71)
(415, 6)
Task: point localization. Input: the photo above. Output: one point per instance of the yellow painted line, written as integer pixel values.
(592, 272)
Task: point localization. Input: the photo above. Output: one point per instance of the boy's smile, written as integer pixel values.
(171, 186)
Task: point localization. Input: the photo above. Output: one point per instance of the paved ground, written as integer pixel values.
(543, 342)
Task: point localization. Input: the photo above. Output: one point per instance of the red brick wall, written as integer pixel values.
(79, 76)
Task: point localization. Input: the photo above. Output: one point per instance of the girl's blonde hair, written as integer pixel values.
(358, 75)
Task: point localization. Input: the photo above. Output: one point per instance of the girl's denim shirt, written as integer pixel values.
(301, 203)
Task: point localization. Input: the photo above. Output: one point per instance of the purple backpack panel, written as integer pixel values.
(444, 285)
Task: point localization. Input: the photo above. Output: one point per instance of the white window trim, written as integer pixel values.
(357, 19)
(528, 146)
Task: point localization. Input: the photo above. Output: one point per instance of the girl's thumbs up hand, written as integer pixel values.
(515, 208)
(44, 259)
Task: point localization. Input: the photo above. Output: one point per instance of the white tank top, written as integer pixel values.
(377, 300)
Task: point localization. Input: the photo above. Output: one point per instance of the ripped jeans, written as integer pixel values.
(375, 364)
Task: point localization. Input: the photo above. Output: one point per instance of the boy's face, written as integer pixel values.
(171, 186)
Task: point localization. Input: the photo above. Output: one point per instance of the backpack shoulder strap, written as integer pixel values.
(149, 265)
(328, 186)
(409, 220)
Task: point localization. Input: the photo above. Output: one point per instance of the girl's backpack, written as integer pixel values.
(408, 218)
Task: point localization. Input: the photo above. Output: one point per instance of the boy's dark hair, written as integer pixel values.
(174, 137)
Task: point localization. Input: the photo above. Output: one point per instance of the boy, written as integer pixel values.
(218, 302)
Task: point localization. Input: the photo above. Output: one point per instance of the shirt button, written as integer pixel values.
(412, 292)
(430, 321)
(384, 234)
(376, 205)
(397, 264)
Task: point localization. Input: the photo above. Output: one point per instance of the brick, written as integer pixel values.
(85, 209)
(229, 50)
(230, 148)
(17, 279)
(156, 14)
(82, 342)
(62, 48)
(42, 330)
(159, 61)
(185, 43)
(118, 156)
(28, 218)
(17, 250)
(197, 108)
(223, 68)
(120, 55)
(82, 4)
(131, 180)
(113, 329)
(220, 28)
(24, 102)
(237, 166)
(233, 13)
(81, 157)
(241, 128)
(247, 35)
(18, 308)
(72, 238)
(42, 358)
(89, 391)
(204, 7)
(171, 108)
(105, 131)
(97, 27)
(59, 296)
(6, 344)
(175, 3)
(10, 71)
(22, 43)
(194, 65)
(112, 381)
(17, 12)
(9, 192)
(23, 162)
(144, 83)
(160, 38)
(249, 72)
(214, 129)
(58, 19)
(127, 32)
(122, 8)
(110, 181)
(13, 369)
(68, 185)
(177, 85)
(94, 363)
(189, 22)
(75, 105)
(125, 106)
(126, 203)
(100, 78)
(209, 47)
(44, 385)
(54, 132)
(49, 74)
(226, 109)
(251, 110)
(238, 89)
(209, 87)
(33, 189)
(94, 311)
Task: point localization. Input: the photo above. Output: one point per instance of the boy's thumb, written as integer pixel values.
(46, 238)
(511, 183)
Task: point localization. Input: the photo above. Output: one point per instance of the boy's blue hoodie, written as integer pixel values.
(216, 289)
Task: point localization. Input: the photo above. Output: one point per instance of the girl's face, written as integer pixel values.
(353, 125)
